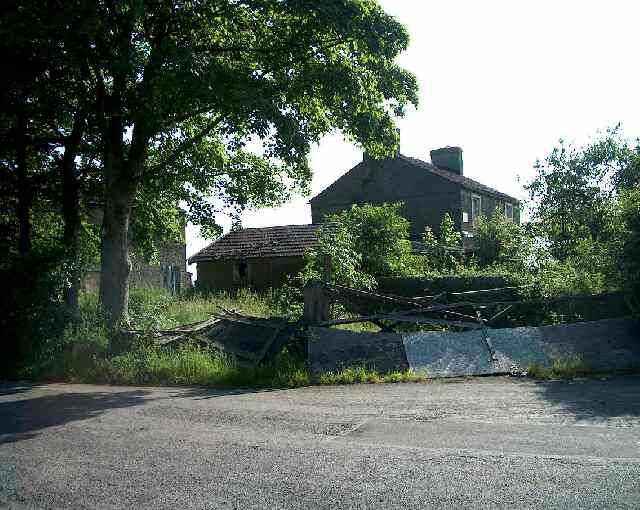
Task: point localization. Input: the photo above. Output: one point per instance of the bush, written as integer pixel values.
(380, 236)
(32, 310)
(627, 256)
(500, 242)
(442, 254)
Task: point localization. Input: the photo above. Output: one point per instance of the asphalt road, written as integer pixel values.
(492, 442)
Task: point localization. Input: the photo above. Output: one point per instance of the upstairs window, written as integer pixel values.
(508, 211)
(476, 207)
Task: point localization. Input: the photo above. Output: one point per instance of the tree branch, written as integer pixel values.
(185, 145)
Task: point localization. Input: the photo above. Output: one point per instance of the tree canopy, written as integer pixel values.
(185, 100)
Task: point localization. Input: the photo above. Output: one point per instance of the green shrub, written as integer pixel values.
(442, 254)
(503, 243)
(627, 254)
(380, 236)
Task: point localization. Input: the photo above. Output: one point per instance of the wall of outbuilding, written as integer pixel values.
(262, 273)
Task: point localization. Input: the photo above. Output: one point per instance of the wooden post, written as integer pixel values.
(316, 303)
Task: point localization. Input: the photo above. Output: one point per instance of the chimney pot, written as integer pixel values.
(448, 158)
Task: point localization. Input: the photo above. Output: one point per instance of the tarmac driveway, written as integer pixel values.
(490, 442)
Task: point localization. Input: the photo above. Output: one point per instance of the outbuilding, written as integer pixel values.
(255, 258)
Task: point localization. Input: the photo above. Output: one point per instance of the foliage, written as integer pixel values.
(338, 245)
(562, 368)
(627, 248)
(572, 191)
(32, 307)
(361, 243)
(442, 253)
(380, 236)
(362, 375)
(501, 242)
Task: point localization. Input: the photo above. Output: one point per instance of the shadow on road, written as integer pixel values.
(201, 393)
(595, 398)
(23, 419)
(15, 388)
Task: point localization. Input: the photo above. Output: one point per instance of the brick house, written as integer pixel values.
(427, 190)
(257, 258)
(261, 258)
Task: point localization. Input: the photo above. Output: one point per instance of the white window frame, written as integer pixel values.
(476, 214)
(508, 205)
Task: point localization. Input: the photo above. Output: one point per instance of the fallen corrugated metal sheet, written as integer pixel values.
(610, 344)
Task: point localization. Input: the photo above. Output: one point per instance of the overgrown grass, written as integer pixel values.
(562, 368)
(82, 353)
(190, 365)
(361, 375)
(574, 366)
(155, 309)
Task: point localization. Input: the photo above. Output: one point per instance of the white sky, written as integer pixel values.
(502, 79)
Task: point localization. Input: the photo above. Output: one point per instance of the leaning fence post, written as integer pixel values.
(316, 303)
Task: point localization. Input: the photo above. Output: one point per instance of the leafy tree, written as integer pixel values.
(209, 76)
(572, 191)
(361, 243)
(339, 243)
(627, 248)
(44, 117)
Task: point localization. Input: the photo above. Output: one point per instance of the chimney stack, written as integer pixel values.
(448, 158)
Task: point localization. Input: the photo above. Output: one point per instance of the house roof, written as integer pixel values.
(253, 243)
(463, 181)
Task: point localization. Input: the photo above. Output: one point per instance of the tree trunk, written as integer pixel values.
(115, 263)
(71, 218)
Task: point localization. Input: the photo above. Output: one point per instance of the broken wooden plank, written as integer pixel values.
(399, 318)
(498, 315)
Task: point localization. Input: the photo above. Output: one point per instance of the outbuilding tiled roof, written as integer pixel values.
(253, 243)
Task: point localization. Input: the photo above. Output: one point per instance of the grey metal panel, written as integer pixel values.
(333, 349)
(604, 345)
(446, 354)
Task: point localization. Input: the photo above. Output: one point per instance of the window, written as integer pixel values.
(241, 273)
(476, 207)
(508, 211)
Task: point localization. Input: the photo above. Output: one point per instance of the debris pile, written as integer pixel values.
(250, 340)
